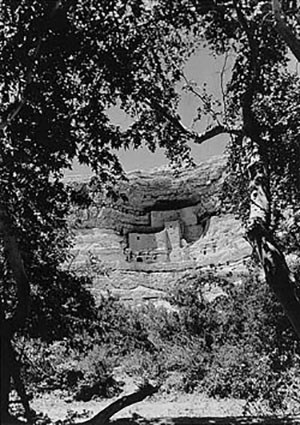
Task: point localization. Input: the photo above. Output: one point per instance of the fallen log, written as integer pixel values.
(102, 417)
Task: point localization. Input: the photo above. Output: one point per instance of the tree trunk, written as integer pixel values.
(5, 377)
(103, 417)
(9, 367)
(277, 273)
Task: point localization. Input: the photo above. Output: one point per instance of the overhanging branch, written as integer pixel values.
(193, 135)
(215, 131)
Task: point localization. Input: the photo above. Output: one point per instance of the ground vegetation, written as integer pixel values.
(64, 63)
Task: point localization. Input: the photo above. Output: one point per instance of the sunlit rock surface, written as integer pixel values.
(163, 226)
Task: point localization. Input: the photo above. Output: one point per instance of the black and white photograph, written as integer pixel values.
(150, 212)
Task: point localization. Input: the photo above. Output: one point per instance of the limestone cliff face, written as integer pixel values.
(163, 225)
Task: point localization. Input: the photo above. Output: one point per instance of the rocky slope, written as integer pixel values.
(162, 226)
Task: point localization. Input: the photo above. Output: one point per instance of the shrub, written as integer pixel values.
(247, 341)
(57, 366)
(239, 344)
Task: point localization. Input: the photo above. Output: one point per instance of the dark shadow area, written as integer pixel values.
(227, 420)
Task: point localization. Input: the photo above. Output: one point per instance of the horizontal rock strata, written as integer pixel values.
(161, 226)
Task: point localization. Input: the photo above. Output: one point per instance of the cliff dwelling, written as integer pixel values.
(161, 228)
(168, 236)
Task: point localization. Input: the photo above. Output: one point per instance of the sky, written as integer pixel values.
(201, 68)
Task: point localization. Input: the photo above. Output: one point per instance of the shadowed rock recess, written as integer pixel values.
(162, 226)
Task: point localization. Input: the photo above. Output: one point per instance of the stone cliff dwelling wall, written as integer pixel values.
(160, 219)
(166, 227)
(174, 230)
(142, 242)
(148, 248)
(180, 227)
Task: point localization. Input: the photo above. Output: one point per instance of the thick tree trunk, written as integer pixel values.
(5, 374)
(277, 273)
(9, 367)
(5, 377)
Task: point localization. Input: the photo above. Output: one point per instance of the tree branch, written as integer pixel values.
(215, 131)
(222, 84)
(211, 112)
(195, 136)
(102, 417)
(285, 31)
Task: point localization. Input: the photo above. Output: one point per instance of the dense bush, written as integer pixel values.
(57, 366)
(238, 344)
(249, 344)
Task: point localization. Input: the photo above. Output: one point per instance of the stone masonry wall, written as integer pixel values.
(177, 218)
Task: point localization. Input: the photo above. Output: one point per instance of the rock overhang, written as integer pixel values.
(149, 203)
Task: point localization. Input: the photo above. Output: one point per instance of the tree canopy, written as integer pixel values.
(64, 63)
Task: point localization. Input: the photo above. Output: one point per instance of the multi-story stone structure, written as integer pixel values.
(167, 237)
(160, 227)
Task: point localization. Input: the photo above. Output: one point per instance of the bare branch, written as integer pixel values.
(202, 98)
(285, 30)
(193, 135)
(174, 119)
(215, 131)
(222, 83)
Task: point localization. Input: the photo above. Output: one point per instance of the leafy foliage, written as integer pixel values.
(83, 58)
(251, 346)
(63, 64)
(239, 344)
(58, 366)
(261, 98)
(276, 110)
